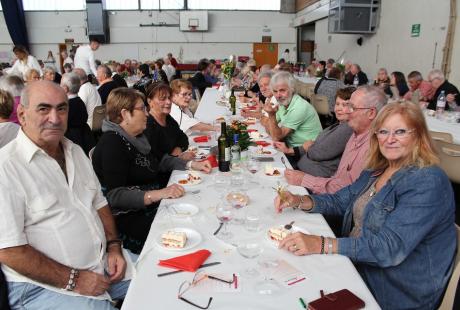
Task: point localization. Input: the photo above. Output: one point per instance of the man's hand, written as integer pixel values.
(450, 98)
(283, 148)
(306, 145)
(294, 177)
(270, 110)
(116, 263)
(90, 283)
(203, 166)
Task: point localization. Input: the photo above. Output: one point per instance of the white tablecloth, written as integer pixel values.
(306, 79)
(435, 124)
(327, 272)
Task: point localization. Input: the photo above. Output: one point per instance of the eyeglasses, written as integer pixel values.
(143, 108)
(352, 108)
(199, 276)
(183, 95)
(400, 133)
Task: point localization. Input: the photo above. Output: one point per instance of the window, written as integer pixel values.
(162, 4)
(54, 5)
(266, 5)
(122, 5)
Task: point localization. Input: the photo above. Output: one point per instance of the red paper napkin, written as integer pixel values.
(262, 143)
(212, 159)
(201, 139)
(252, 108)
(189, 262)
(252, 130)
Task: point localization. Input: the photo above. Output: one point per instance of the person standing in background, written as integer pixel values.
(24, 62)
(84, 58)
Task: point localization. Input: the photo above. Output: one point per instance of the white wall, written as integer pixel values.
(455, 65)
(229, 32)
(392, 46)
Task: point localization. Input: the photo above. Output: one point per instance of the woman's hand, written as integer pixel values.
(172, 191)
(283, 148)
(187, 156)
(294, 177)
(204, 166)
(286, 200)
(301, 244)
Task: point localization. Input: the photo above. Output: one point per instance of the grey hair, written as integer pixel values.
(49, 69)
(25, 94)
(374, 96)
(106, 69)
(12, 84)
(265, 74)
(72, 81)
(357, 66)
(283, 77)
(436, 74)
(383, 69)
(29, 72)
(265, 67)
(81, 74)
(415, 75)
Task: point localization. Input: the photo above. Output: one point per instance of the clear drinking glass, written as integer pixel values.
(250, 250)
(224, 214)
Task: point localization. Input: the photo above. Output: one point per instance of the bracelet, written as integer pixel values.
(188, 165)
(110, 242)
(329, 245)
(322, 245)
(72, 280)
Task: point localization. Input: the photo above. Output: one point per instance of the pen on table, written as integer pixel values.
(302, 303)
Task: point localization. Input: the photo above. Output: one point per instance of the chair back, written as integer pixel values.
(449, 296)
(99, 114)
(449, 155)
(196, 91)
(321, 104)
(439, 135)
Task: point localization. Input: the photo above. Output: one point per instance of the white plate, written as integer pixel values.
(193, 239)
(293, 230)
(180, 178)
(182, 209)
(255, 152)
(281, 172)
(201, 154)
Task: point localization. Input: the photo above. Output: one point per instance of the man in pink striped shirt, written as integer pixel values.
(363, 107)
(416, 82)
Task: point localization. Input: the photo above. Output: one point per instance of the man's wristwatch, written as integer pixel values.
(72, 280)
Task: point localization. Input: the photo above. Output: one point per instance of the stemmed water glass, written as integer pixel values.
(224, 214)
(268, 285)
(250, 250)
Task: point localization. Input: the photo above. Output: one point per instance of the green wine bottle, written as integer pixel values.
(232, 101)
(224, 149)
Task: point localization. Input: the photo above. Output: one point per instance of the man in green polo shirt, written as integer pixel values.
(294, 120)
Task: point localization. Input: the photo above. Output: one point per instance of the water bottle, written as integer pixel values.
(440, 104)
(235, 150)
(356, 81)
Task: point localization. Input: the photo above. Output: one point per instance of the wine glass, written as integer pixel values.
(224, 214)
(253, 165)
(250, 250)
(268, 285)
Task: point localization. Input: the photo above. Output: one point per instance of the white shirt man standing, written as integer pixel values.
(58, 241)
(84, 57)
(88, 93)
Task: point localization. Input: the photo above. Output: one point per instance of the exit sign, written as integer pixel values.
(415, 31)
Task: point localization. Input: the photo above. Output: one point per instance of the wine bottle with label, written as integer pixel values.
(232, 101)
(224, 149)
(235, 150)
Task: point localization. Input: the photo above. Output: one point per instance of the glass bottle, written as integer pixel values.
(224, 149)
(235, 149)
(232, 101)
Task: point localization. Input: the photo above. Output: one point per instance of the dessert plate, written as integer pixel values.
(181, 210)
(263, 152)
(193, 239)
(187, 179)
(293, 230)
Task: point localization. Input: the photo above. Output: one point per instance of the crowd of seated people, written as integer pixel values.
(373, 152)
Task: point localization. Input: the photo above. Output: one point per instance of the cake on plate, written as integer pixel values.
(174, 239)
(278, 233)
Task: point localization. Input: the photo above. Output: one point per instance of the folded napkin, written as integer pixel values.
(252, 130)
(201, 139)
(189, 262)
(212, 159)
(252, 108)
(262, 143)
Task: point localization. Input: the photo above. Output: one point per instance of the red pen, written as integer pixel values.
(296, 281)
(235, 279)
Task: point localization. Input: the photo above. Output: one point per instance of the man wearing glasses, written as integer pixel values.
(439, 83)
(363, 107)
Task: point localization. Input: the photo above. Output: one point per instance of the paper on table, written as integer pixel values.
(215, 286)
(287, 275)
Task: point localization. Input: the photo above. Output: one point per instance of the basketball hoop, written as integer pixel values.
(192, 28)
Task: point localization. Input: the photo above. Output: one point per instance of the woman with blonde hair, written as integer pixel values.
(398, 216)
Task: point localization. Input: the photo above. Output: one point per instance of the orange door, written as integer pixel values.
(265, 53)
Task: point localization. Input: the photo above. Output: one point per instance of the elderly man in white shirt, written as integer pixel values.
(58, 241)
(88, 93)
(84, 57)
(168, 68)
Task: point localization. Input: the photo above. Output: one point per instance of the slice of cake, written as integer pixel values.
(278, 233)
(174, 239)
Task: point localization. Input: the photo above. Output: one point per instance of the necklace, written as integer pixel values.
(373, 190)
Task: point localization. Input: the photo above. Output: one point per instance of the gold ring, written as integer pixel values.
(295, 246)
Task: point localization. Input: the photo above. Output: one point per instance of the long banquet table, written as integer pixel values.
(443, 125)
(327, 272)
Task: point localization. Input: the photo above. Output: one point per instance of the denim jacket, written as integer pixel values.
(406, 250)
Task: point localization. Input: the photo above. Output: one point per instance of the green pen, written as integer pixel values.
(302, 303)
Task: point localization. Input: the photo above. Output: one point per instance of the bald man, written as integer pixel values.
(58, 241)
